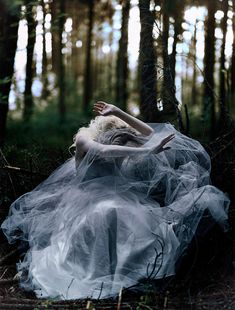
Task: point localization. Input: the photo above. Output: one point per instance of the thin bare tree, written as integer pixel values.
(87, 74)
(233, 58)
(147, 64)
(223, 95)
(62, 107)
(209, 65)
(9, 20)
(122, 59)
(28, 97)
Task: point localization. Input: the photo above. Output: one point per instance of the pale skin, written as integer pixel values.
(84, 144)
(103, 108)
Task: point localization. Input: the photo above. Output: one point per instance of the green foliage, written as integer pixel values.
(47, 303)
(148, 300)
(6, 80)
(44, 141)
(13, 6)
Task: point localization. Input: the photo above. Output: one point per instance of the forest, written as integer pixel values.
(160, 60)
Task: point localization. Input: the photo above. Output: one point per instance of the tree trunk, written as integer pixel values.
(147, 65)
(9, 19)
(28, 98)
(87, 76)
(209, 63)
(96, 67)
(168, 87)
(165, 56)
(233, 59)
(173, 55)
(110, 64)
(110, 57)
(122, 59)
(61, 67)
(177, 30)
(170, 103)
(45, 91)
(74, 38)
(194, 81)
(223, 97)
(55, 35)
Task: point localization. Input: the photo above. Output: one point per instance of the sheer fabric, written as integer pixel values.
(100, 224)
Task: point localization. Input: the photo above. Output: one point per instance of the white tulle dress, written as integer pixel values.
(101, 224)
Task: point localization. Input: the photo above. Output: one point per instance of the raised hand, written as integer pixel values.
(160, 147)
(103, 108)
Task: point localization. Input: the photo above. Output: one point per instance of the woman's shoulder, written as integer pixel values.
(80, 139)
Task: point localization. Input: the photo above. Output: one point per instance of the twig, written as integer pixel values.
(223, 148)
(69, 286)
(4, 272)
(119, 300)
(8, 281)
(101, 289)
(161, 242)
(12, 184)
(222, 137)
(166, 300)
(145, 306)
(89, 305)
(21, 170)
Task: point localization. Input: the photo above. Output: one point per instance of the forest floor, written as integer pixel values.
(205, 278)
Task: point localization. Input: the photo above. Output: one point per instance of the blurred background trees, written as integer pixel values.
(9, 19)
(161, 60)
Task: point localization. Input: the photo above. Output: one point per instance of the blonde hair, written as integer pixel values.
(98, 126)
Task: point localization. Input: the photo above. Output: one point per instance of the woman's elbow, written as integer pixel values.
(149, 131)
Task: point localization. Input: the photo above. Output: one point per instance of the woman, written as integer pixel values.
(126, 213)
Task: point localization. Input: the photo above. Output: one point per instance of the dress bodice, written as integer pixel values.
(100, 167)
(97, 166)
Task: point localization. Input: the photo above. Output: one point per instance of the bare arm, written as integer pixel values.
(103, 108)
(83, 145)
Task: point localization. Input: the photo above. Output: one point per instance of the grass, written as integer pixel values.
(43, 139)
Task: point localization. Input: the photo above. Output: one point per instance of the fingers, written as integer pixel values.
(168, 139)
(165, 141)
(100, 104)
(160, 148)
(98, 107)
(97, 112)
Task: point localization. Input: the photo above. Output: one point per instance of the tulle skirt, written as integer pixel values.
(100, 225)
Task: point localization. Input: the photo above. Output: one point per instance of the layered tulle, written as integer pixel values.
(109, 223)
